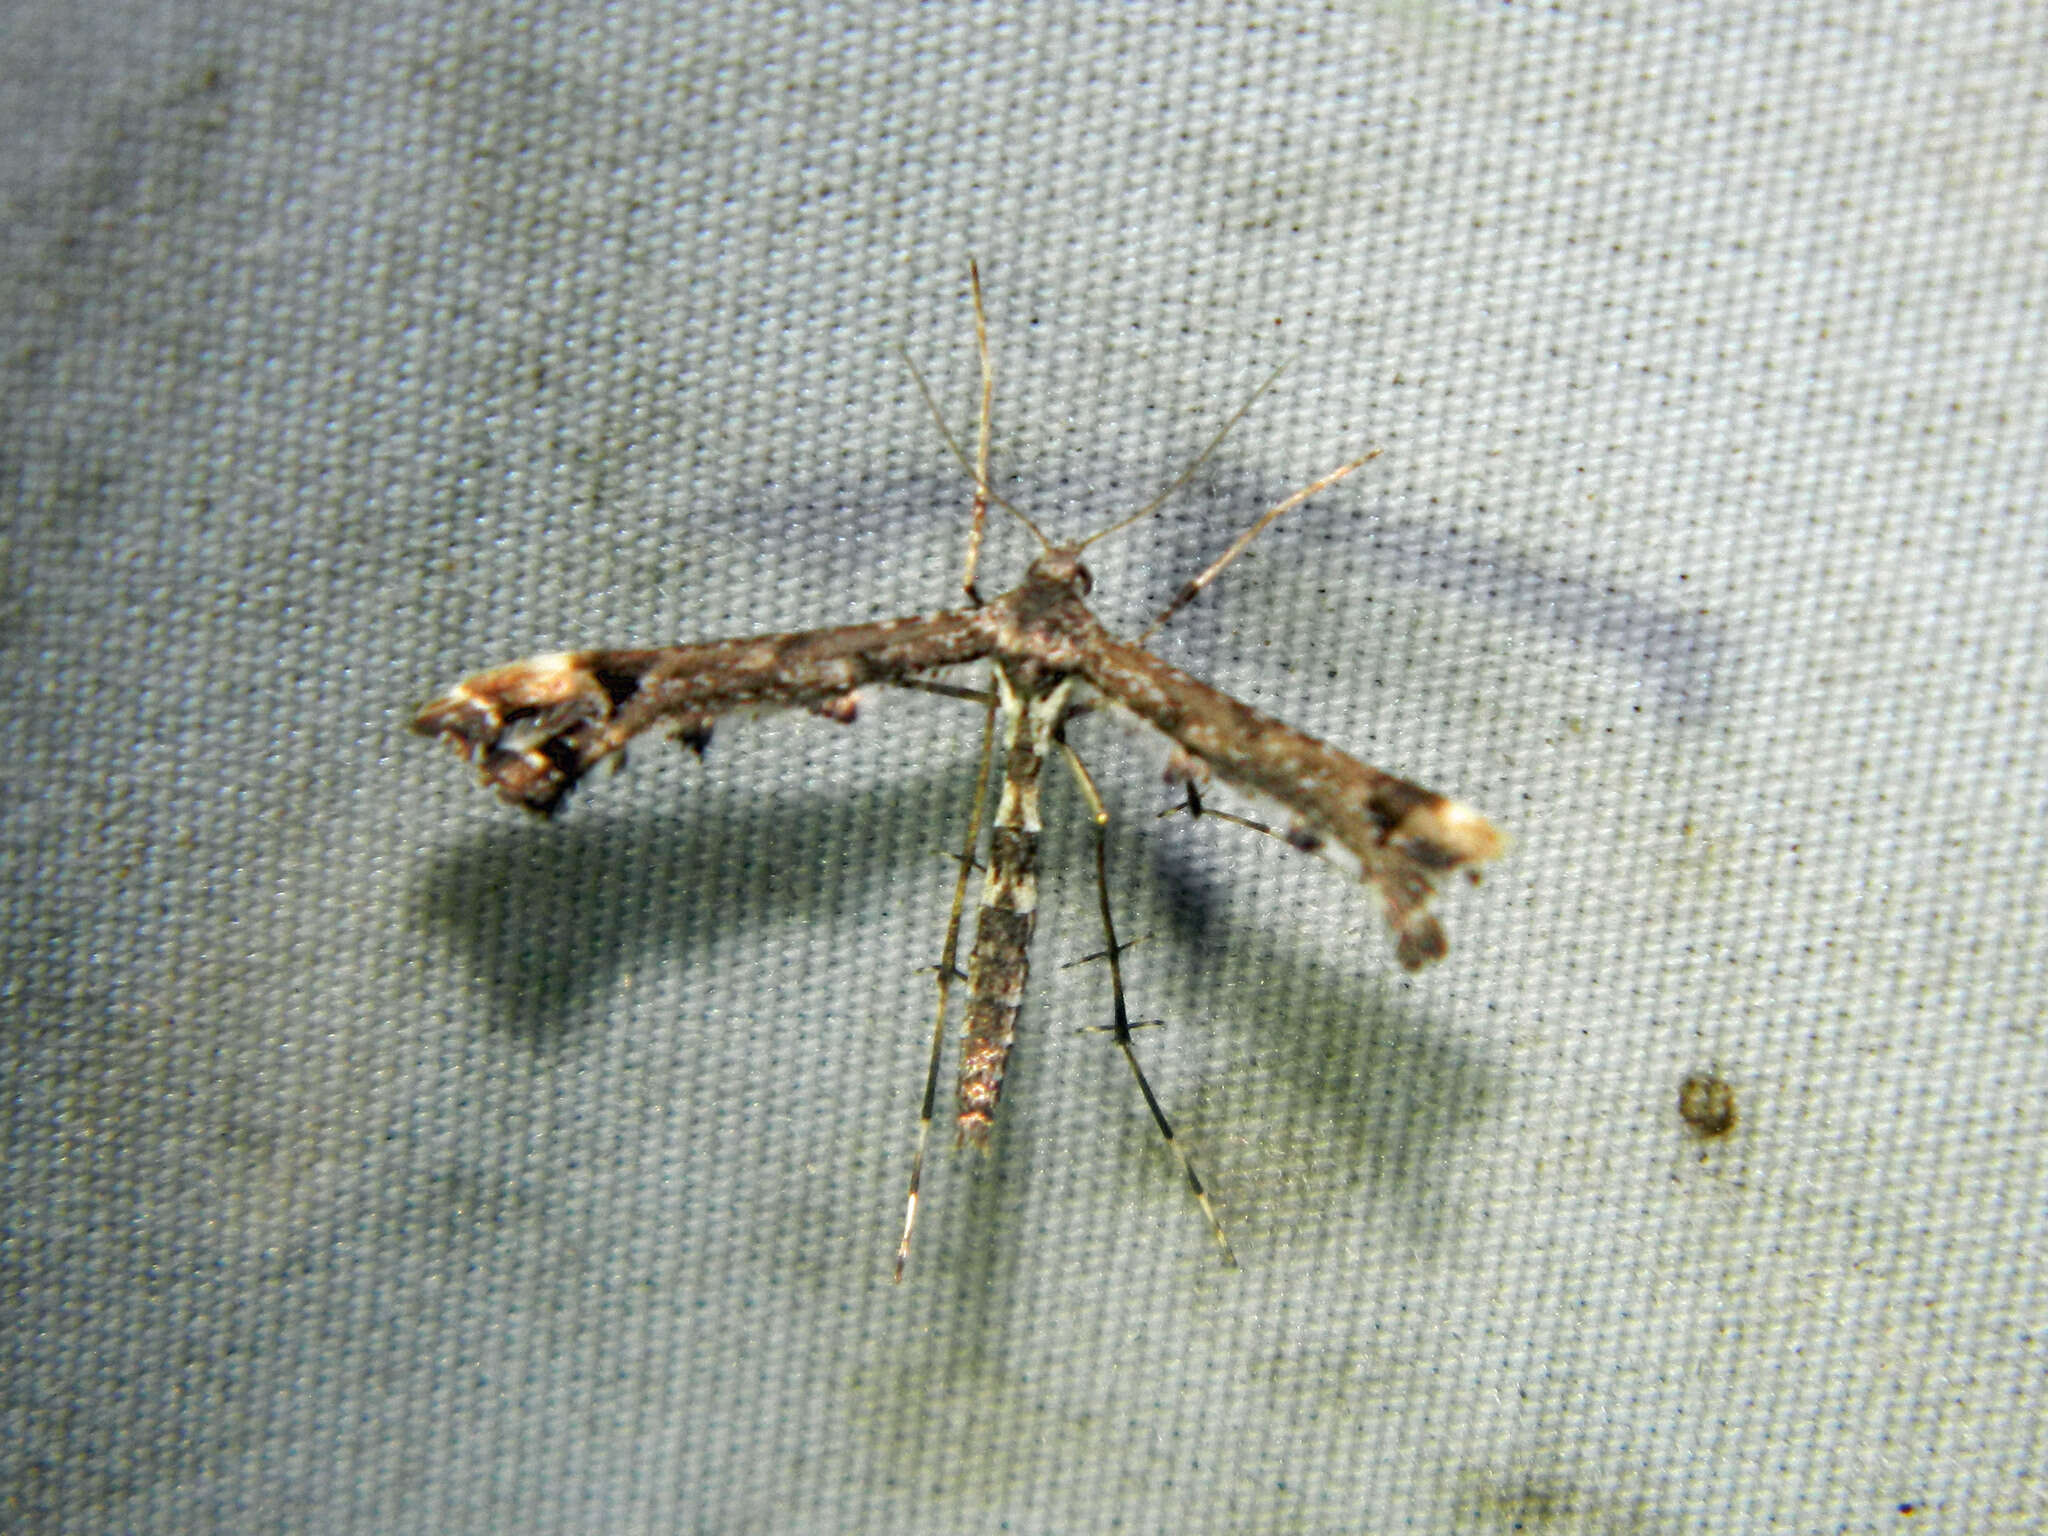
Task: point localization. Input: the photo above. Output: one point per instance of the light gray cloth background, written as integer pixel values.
(380, 1159)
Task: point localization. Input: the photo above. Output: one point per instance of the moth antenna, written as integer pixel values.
(1199, 460)
(953, 446)
(1188, 593)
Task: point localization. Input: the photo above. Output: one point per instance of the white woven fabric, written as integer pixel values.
(381, 1160)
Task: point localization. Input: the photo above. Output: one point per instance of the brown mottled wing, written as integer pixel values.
(534, 727)
(1401, 836)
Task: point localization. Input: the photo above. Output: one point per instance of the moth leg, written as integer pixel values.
(948, 690)
(984, 493)
(1192, 588)
(948, 973)
(1197, 809)
(978, 527)
(1120, 1027)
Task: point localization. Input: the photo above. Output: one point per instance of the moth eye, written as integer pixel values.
(1085, 578)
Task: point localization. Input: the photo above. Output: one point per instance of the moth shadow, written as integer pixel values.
(546, 921)
(1344, 1096)
(1678, 651)
(1326, 1082)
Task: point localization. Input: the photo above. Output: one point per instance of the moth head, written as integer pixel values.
(1063, 567)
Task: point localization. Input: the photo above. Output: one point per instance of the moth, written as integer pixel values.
(534, 728)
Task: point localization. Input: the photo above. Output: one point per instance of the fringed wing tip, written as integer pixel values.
(1442, 835)
(1420, 943)
(1433, 837)
(532, 728)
